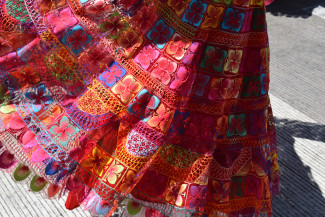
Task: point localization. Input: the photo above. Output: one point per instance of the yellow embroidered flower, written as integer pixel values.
(113, 172)
(97, 161)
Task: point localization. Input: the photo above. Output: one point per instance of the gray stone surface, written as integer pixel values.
(297, 41)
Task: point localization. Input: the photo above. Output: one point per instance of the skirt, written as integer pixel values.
(139, 107)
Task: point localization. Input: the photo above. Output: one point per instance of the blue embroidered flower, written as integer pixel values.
(111, 76)
(76, 39)
(233, 20)
(160, 34)
(38, 98)
(194, 13)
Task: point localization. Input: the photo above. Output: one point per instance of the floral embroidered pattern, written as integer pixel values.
(64, 131)
(220, 191)
(114, 25)
(160, 34)
(177, 47)
(76, 39)
(200, 84)
(26, 76)
(197, 197)
(237, 125)
(183, 79)
(143, 105)
(100, 8)
(213, 17)
(257, 124)
(161, 118)
(39, 98)
(97, 161)
(251, 86)
(164, 70)
(258, 20)
(113, 172)
(95, 59)
(194, 13)
(129, 181)
(213, 59)
(130, 41)
(112, 75)
(144, 18)
(146, 56)
(224, 88)
(60, 20)
(233, 20)
(175, 193)
(233, 61)
(126, 89)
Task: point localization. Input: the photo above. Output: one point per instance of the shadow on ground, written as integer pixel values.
(300, 195)
(294, 8)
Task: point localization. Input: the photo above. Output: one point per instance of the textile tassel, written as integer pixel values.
(77, 193)
(7, 160)
(75, 198)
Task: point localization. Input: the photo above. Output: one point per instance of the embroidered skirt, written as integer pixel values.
(139, 107)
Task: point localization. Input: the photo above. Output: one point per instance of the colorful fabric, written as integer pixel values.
(138, 107)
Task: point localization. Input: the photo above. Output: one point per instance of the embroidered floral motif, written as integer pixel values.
(233, 20)
(146, 56)
(224, 88)
(76, 39)
(64, 131)
(197, 195)
(47, 5)
(213, 17)
(100, 8)
(200, 84)
(26, 76)
(213, 59)
(257, 123)
(183, 80)
(144, 18)
(126, 89)
(97, 161)
(251, 86)
(113, 172)
(130, 41)
(61, 20)
(129, 181)
(233, 61)
(220, 191)
(95, 59)
(237, 125)
(112, 75)
(114, 25)
(177, 47)
(178, 5)
(161, 118)
(194, 13)
(160, 34)
(143, 105)
(175, 193)
(39, 98)
(164, 70)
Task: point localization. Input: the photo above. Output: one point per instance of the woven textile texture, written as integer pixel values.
(139, 107)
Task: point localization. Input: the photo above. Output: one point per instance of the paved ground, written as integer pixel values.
(297, 90)
(297, 40)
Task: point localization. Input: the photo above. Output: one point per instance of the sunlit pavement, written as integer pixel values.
(297, 89)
